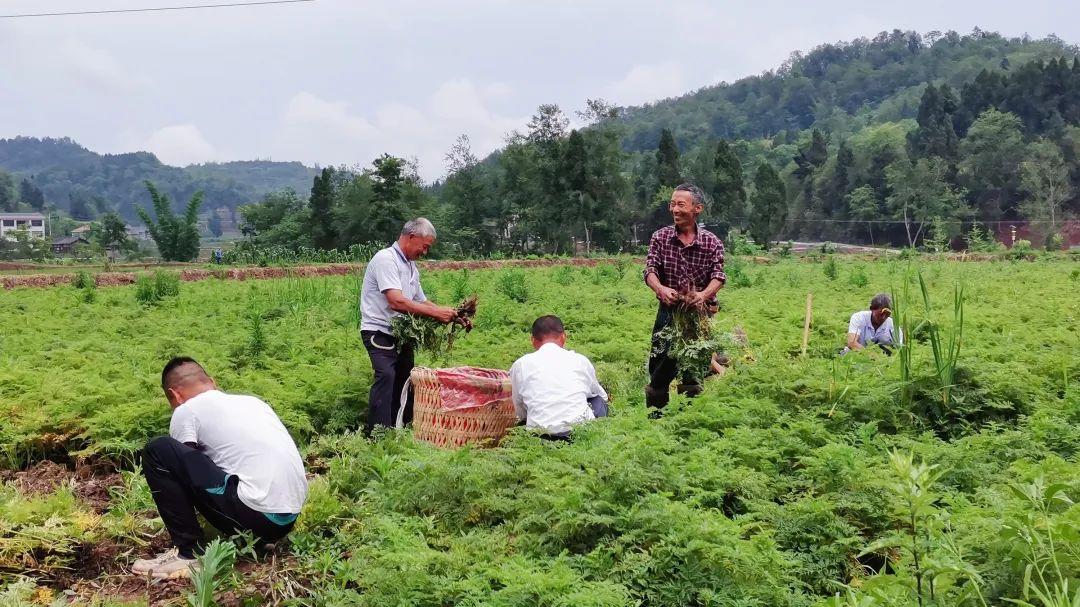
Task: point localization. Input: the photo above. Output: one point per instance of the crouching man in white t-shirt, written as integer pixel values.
(873, 326)
(555, 389)
(228, 457)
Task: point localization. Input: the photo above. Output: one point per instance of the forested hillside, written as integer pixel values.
(891, 140)
(65, 175)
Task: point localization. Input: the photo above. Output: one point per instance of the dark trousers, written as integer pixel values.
(184, 480)
(663, 368)
(392, 366)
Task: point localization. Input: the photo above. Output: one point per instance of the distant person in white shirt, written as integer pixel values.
(555, 389)
(227, 457)
(873, 326)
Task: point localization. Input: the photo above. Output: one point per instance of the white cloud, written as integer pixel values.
(648, 83)
(329, 132)
(98, 69)
(309, 111)
(181, 145)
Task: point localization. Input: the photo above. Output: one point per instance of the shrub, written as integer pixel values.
(832, 271)
(152, 289)
(512, 284)
(83, 280)
(858, 277)
(564, 275)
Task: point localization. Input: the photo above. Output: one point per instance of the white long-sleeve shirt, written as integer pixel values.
(552, 387)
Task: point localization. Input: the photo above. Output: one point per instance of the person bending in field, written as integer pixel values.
(554, 388)
(392, 287)
(227, 457)
(873, 326)
(684, 267)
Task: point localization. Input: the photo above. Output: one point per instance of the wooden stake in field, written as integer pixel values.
(806, 323)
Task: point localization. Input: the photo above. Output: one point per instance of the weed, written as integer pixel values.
(513, 284)
(152, 289)
(858, 278)
(83, 280)
(215, 563)
(831, 270)
(564, 275)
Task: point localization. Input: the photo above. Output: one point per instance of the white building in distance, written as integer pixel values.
(34, 223)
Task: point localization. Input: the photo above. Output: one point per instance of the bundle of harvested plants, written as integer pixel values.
(428, 335)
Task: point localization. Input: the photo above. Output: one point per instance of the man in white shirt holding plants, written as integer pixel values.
(227, 457)
(873, 326)
(554, 388)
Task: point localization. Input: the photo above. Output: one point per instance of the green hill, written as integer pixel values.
(835, 87)
(72, 177)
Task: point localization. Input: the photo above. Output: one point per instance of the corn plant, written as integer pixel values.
(214, 564)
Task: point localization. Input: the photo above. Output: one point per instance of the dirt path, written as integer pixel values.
(111, 279)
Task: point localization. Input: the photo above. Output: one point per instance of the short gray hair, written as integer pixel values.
(418, 227)
(881, 300)
(695, 192)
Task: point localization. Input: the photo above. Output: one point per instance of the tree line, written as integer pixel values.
(1005, 148)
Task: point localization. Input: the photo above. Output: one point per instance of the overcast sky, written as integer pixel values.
(341, 81)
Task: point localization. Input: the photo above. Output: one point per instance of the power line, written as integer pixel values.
(1017, 222)
(152, 9)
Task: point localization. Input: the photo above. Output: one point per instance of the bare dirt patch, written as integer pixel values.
(89, 483)
(111, 279)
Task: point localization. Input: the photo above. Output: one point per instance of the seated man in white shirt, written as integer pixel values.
(554, 388)
(228, 457)
(873, 326)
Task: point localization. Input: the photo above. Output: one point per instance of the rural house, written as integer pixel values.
(34, 223)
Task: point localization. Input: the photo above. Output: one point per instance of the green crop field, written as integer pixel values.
(792, 481)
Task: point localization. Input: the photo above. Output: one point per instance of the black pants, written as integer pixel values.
(392, 366)
(184, 480)
(663, 368)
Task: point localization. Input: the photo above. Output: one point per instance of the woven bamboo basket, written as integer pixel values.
(484, 424)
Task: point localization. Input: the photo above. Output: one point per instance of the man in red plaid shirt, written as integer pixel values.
(685, 266)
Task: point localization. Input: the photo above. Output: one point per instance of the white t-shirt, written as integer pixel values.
(551, 388)
(245, 438)
(388, 269)
(865, 332)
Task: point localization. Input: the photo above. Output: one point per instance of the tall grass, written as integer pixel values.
(945, 342)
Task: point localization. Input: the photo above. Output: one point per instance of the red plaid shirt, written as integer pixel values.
(685, 268)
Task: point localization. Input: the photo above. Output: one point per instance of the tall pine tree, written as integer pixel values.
(768, 205)
(667, 160)
(729, 194)
(935, 135)
(324, 232)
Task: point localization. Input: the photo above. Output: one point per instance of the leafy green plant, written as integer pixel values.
(1039, 534)
(564, 275)
(831, 270)
(735, 268)
(939, 237)
(428, 335)
(945, 343)
(513, 284)
(858, 278)
(691, 341)
(152, 289)
(980, 240)
(459, 285)
(215, 563)
(83, 280)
